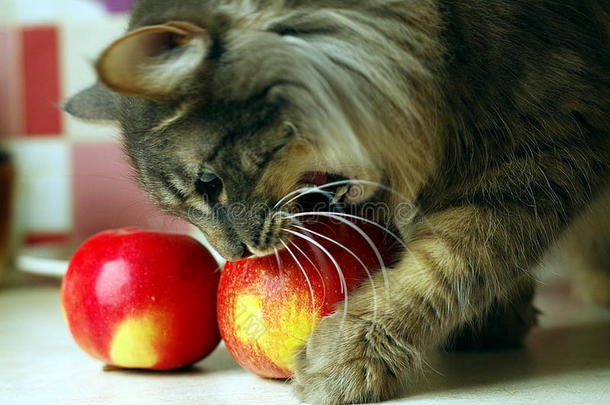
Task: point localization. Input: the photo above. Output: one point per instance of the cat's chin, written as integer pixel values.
(264, 252)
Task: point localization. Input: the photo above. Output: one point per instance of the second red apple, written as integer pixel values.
(268, 306)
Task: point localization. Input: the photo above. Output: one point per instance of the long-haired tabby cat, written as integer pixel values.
(490, 117)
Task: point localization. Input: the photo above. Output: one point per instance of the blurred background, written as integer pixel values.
(60, 180)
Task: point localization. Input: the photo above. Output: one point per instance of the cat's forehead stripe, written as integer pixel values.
(180, 112)
(233, 136)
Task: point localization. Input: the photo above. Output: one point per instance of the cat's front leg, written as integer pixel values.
(352, 360)
(458, 263)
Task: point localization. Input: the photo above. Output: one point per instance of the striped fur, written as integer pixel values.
(491, 117)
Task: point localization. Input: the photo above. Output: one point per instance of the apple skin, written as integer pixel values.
(144, 300)
(265, 307)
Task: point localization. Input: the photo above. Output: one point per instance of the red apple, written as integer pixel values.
(137, 299)
(268, 306)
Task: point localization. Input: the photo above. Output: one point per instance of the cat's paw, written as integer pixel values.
(350, 361)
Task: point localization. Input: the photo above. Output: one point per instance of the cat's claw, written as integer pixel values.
(341, 364)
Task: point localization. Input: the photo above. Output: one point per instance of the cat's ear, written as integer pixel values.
(95, 104)
(154, 61)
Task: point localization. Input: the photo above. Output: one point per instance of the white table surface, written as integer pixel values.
(567, 361)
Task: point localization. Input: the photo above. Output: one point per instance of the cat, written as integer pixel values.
(489, 118)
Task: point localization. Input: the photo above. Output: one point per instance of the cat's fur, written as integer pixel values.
(492, 117)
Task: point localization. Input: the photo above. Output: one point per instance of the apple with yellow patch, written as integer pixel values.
(268, 306)
(145, 300)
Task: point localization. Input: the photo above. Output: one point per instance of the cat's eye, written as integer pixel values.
(209, 186)
(208, 177)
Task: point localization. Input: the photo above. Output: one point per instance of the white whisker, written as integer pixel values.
(341, 214)
(309, 190)
(279, 261)
(303, 191)
(288, 196)
(307, 280)
(383, 269)
(314, 266)
(337, 267)
(368, 273)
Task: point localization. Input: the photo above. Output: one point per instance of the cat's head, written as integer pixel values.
(224, 122)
